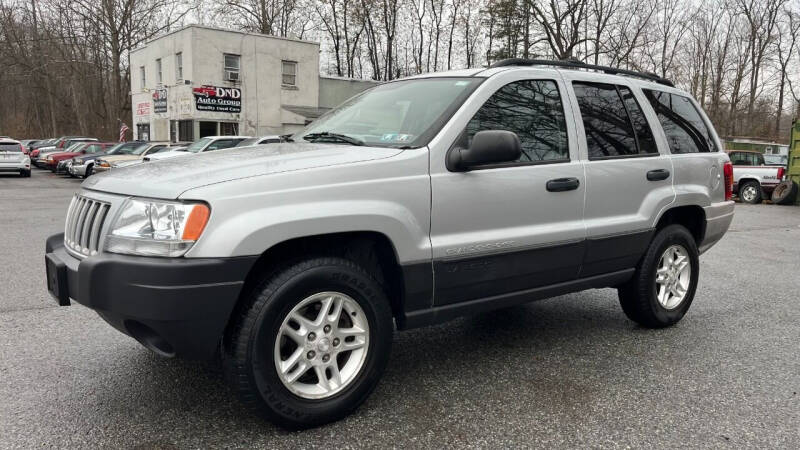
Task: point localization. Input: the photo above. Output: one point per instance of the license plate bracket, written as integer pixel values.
(57, 279)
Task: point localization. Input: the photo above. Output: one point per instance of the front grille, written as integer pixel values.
(85, 219)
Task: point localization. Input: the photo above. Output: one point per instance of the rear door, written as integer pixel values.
(501, 229)
(628, 178)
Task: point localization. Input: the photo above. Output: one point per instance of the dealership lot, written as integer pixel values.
(570, 371)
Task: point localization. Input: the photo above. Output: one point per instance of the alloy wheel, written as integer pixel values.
(673, 276)
(321, 345)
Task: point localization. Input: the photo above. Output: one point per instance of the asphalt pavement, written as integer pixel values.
(565, 372)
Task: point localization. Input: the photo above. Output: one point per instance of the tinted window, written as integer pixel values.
(746, 159)
(685, 130)
(644, 135)
(605, 121)
(532, 109)
(10, 148)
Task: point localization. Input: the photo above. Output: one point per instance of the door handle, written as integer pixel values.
(658, 175)
(563, 184)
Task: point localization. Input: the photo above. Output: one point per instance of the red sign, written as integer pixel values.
(143, 109)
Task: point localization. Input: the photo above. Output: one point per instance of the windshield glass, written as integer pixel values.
(398, 114)
(197, 146)
(74, 147)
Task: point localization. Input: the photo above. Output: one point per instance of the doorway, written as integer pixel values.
(208, 129)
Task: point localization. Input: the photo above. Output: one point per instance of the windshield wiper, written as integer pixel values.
(335, 136)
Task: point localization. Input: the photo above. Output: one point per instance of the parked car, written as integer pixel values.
(12, 159)
(66, 141)
(26, 144)
(41, 160)
(147, 148)
(269, 139)
(416, 202)
(84, 166)
(752, 178)
(57, 162)
(79, 148)
(206, 144)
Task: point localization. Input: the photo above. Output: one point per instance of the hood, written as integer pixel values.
(166, 155)
(169, 178)
(88, 156)
(114, 158)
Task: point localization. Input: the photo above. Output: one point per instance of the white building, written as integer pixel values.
(200, 81)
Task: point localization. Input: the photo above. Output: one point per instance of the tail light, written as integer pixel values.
(24, 150)
(781, 171)
(728, 171)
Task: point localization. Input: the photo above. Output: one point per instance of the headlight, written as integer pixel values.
(77, 162)
(157, 228)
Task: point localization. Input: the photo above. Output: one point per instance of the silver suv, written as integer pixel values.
(418, 201)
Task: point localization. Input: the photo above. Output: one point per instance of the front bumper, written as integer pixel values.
(173, 306)
(77, 171)
(718, 219)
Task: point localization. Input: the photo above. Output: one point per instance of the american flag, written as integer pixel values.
(122, 130)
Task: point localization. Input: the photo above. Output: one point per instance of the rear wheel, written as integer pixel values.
(663, 287)
(310, 343)
(25, 173)
(750, 192)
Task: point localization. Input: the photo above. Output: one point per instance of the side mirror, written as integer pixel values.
(488, 147)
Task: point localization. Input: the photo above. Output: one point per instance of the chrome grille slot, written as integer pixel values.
(85, 218)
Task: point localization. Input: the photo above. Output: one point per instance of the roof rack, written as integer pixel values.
(575, 64)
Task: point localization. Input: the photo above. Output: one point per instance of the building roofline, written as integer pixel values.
(206, 27)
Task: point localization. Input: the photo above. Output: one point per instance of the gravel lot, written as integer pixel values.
(565, 372)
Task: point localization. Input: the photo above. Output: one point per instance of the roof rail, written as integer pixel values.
(575, 64)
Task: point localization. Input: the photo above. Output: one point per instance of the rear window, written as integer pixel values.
(10, 148)
(683, 126)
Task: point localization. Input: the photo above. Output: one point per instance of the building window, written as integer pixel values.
(179, 66)
(289, 73)
(142, 80)
(231, 63)
(158, 71)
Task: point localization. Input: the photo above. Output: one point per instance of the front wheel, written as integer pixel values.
(310, 343)
(663, 287)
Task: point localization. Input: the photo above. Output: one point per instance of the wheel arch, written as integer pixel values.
(372, 250)
(692, 217)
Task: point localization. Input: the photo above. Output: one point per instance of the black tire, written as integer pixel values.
(785, 193)
(88, 171)
(638, 296)
(248, 344)
(757, 198)
(25, 173)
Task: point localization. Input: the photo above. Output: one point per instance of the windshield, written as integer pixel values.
(398, 114)
(199, 145)
(74, 147)
(125, 148)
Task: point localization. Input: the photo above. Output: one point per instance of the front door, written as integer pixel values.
(500, 229)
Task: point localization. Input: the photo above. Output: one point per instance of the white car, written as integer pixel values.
(268, 139)
(12, 159)
(206, 144)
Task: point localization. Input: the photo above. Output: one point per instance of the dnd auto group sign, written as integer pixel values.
(160, 101)
(218, 99)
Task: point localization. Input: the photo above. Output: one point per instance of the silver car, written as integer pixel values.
(416, 202)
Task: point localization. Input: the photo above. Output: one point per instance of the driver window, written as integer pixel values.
(532, 109)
